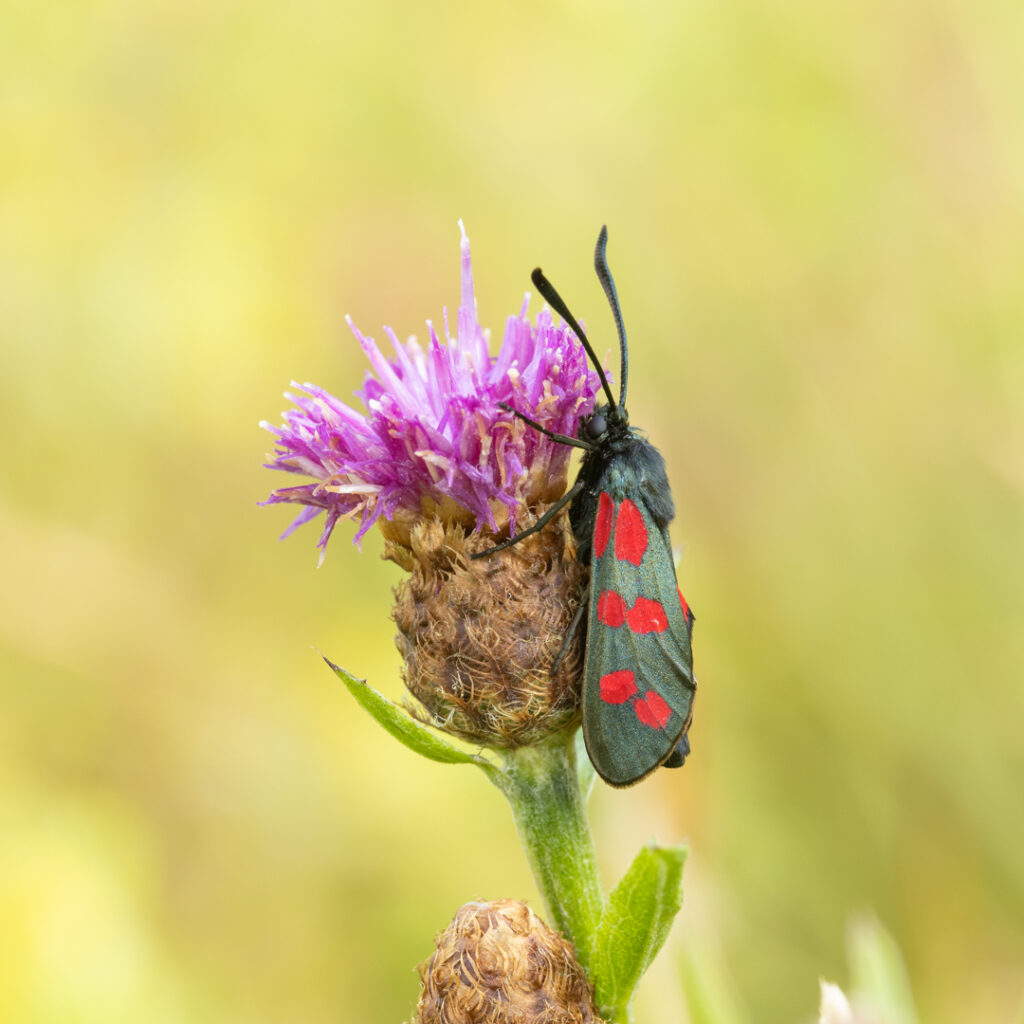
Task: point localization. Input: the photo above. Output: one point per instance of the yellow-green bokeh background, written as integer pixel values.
(816, 214)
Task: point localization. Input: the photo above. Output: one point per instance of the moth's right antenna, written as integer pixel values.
(605, 276)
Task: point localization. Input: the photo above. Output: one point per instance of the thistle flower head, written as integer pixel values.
(432, 439)
(498, 962)
(484, 642)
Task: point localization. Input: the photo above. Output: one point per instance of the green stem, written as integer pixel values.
(542, 785)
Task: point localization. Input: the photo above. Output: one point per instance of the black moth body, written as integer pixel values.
(638, 684)
(625, 465)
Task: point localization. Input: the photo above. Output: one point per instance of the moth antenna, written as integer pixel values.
(555, 301)
(605, 277)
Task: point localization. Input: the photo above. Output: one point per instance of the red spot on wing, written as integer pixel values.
(630, 534)
(647, 616)
(652, 710)
(618, 687)
(603, 524)
(611, 609)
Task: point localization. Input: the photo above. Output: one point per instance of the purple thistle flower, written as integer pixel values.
(433, 439)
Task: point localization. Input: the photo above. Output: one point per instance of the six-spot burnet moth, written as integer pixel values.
(638, 683)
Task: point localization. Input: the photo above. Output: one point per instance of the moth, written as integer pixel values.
(638, 683)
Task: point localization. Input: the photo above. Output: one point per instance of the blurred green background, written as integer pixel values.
(816, 215)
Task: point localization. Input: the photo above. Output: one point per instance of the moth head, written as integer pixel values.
(603, 419)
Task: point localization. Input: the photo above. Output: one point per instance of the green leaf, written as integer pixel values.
(635, 924)
(402, 726)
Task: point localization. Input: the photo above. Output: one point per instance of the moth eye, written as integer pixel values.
(595, 426)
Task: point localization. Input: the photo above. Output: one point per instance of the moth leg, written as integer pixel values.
(571, 635)
(560, 438)
(537, 526)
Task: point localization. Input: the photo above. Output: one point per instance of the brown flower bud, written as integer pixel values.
(498, 963)
(481, 638)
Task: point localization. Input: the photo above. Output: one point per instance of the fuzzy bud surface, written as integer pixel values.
(485, 641)
(498, 963)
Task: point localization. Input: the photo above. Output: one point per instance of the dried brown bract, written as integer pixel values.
(498, 963)
(485, 641)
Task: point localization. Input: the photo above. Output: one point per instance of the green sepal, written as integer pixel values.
(635, 924)
(414, 735)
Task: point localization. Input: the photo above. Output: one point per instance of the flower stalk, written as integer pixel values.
(542, 787)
